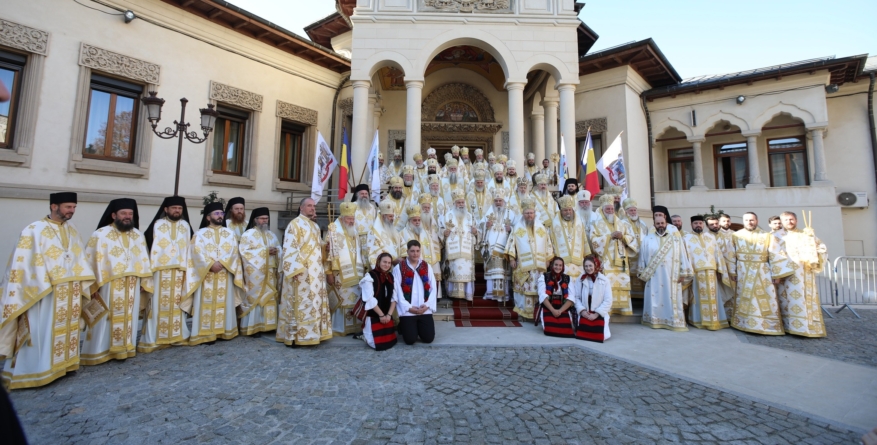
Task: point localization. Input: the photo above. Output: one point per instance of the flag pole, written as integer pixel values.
(366, 163)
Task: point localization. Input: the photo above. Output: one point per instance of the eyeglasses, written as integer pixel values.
(217, 213)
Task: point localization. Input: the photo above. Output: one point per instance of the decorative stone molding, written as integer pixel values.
(392, 137)
(483, 6)
(461, 127)
(346, 106)
(597, 125)
(457, 139)
(114, 63)
(235, 96)
(457, 92)
(296, 113)
(16, 35)
(505, 143)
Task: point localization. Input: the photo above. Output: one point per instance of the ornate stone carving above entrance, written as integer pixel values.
(447, 98)
(114, 63)
(483, 6)
(16, 35)
(296, 113)
(597, 125)
(346, 106)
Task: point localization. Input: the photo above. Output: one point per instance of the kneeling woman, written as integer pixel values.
(377, 296)
(555, 301)
(593, 297)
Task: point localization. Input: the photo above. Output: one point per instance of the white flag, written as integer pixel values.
(375, 168)
(611, 166)
(562, 168)
(324, 164)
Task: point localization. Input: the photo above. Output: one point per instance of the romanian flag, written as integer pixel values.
(589, 166)
(345, 164)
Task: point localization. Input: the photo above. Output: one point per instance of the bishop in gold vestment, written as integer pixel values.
(495, 228)
(758, 262)
(529, 251)
(383, 236)
(304, 317)
(260, 256)
(213, 275)
(612, 238)
(798, 294)
(42, 292)
(705, 305)
(344, 270)
(118, 255)
(460, 235)
(167, 238)
(569, 238)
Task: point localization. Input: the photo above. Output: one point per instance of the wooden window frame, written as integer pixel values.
(717, 157)
(681, 160)
(786, 152)
(287, 130)
(114, 92)
(230, 115)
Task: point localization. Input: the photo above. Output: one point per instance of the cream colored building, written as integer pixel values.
(507, 76)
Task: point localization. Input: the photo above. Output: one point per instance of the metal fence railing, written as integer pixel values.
(854, 281)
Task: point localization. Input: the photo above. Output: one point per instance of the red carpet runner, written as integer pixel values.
(482, 313)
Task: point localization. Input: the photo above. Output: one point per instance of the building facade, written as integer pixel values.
(506, 76)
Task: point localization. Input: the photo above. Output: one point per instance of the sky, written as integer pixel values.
(699, 37)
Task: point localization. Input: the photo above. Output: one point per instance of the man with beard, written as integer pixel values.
(664, 267)
(383, 237)
(167, 239)
(676, 220)
(522, 192)
(385, 171)
(662, 210)
(569, 238)
(429, 221)
(491, 161)
(546, 206)
(583, 210)
(570, 187)
(430, 154)
(496, 226)
(453, 183)
(344, 270)
(462, 170)
(410, 187)
(798, 295)
(431, 168)
(531, 168)
(118, 256)
(759, 265)
(615, 192)
(236, 216)
(444, 172)
(478, 198)
(465, 161)
(438, 201)
(725, 237)
(479, 160)
(705, 309)
(511, 172)
(640, 231)
(421, 171)
(365, 215)
(499, 181)
(460, 235)
(41, 293)
(430, 250)
(396, 167)
(260, 255)
(611, 239)
(548, 171)
(396, 197)
(213, 277)
(776, 226)
(528, 250)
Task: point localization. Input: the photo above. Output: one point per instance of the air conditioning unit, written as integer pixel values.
(853, 199)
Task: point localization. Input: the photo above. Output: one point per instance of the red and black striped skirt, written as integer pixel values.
(557, 326)
(383, 335)
(591, 330)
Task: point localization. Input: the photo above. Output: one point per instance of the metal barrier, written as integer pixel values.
(854, 280)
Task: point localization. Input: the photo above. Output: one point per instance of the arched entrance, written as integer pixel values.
(458, 114)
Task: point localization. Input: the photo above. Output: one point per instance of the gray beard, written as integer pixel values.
(479, 189)
(610, 218)
(588, 208)
(426, 219)
(363, 203)
(459, 213)
(497, 210)
(529, 224)
(350, 230)
(416, 229)
(633, 218)
(452, 178)
(264, 227)
(584, 214)
(567, 218)
(434, 193)
(542, 194)
(388, 226)
(408, 183)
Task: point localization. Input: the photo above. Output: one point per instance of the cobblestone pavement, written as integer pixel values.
(253, 391)
(849, 339)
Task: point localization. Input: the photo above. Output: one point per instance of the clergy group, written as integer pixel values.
(380, 267)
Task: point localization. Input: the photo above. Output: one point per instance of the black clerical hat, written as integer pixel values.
(168, 202)
(62, 197)
(257, 212)
(116, 205)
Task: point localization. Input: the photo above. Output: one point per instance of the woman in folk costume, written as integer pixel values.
(593, 298)
(377, 296)
(555, 300)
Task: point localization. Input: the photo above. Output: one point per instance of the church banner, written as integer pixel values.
(324, 164)
(612, 167)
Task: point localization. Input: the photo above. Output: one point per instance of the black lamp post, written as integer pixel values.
(208, 119)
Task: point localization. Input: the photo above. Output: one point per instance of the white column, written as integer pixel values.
(361, 137)
(412, 119)
(754, 169)
(819, 174)
(371, 124)
(698, 164)
(537, 131)
(568, 124)
(550, 106)
(516, 123)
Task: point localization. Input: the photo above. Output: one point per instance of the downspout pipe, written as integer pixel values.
(651, 147)
(871, 122)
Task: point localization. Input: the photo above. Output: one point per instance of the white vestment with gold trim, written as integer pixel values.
(259, 305)
(164, 323)
(303, 318)
(343, 261)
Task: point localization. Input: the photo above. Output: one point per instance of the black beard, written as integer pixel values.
(716, 230)
(571, 191)
(660, 231)
(698, 230)
(498, 180)
(431, 171)
(174, 218)
(396, 195)
(617, 207)
(122, 226)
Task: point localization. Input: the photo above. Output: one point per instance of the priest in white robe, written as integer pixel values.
(344, 270)
(798, 294)
(383, 237)
(415, 230)
(640, 230)
(453, 183)
(528, 250)
(303, 318)
(212, 279)
(429, 220)
(236, 216)
(460, 235)
(439, 206)
(583, 210)
(42, 294)
(478, 200)
(167, 238)
(118, 256)
(495, 227)
(705, 308)
(664, 267)
(366, 213)
(569, 238)
(396, 197)
(611, 239)
(546, 206)
(260, 256)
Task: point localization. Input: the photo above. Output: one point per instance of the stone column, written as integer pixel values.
(361, 139)
(550, 106)
(568, 125)
(752, 152)
(412, 119)
(371, 123)
(698, 164)
(537, 129)
(516, 123)
(819, 174)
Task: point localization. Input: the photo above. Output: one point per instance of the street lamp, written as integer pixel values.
(208, 119)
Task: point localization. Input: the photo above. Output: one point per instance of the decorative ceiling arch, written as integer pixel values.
(462, 93)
